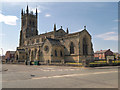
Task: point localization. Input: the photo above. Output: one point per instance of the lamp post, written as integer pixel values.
(2, 54)
(2, 51)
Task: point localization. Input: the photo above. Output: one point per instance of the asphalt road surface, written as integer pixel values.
(22, 76)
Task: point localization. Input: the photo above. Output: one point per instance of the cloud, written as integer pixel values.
(47, 15)
(108, 36)
(34, 10)
(40, 8)
(115, 28)
(1, 34)
(10, 20)
(116, 20)
(60, 0)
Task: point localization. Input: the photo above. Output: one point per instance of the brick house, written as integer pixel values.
(102, 54)
(117, 55)
(10, 55)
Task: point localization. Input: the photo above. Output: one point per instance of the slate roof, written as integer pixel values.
(101, 51)
(11, 52)
(54, 41)
(21, 50)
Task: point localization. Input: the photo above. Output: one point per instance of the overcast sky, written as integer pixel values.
(101, 20)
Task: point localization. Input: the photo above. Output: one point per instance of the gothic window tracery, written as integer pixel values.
(55, 53)
(37, 41)
(85, 47)
(33, 23)
(35, 51)
(33, 42)
(71, 48)
(39, 52)
(30, 22)
(61, 54)
(32, 55)
(28, 43)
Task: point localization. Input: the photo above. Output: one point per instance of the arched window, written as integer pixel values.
(30, 22)
(32, 41)
(37, 41)
(32, 55)
(35, 52)
(71, 48)
(17, 57)
(29, 51)
(61, 54)
(39, 52)
(28, 43)
(33, 23)
(85, 47)
(55, 53)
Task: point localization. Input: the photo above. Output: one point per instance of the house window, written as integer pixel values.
(55, 53)
(71, 48)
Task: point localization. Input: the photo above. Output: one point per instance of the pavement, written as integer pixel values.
(22, 76)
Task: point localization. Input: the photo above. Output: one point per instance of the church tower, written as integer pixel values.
(28, 25)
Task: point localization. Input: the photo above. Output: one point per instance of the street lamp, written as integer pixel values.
(2, 51)
(1, 55)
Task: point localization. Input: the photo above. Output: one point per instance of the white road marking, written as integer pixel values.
(46, 70)
(60, 70)
(72, 75)
(53, 70)
(49, 68)
(62, 76)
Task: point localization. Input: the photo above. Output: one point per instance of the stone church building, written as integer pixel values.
(57, 46)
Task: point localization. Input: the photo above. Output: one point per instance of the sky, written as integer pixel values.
(101, 19)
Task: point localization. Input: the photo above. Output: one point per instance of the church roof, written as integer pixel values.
(77, 33)
(11, 52)
(21, 50)
(51, 32)
(54, 41)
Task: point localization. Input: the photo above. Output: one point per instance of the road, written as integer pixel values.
(21, 76)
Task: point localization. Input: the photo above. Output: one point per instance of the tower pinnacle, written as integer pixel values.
(67, 31)
(54, 27)
(27, 10)
(84, 27)
(22, 12)
(36, 12)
